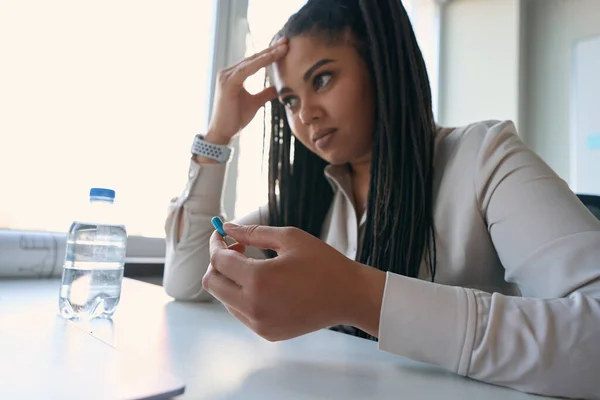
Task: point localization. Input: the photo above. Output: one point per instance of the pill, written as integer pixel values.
(218, 224)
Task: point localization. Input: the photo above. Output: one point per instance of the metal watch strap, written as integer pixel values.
(213, 151)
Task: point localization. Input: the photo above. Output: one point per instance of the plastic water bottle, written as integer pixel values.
(94, 262)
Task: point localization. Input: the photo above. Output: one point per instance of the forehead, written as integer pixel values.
(303, 53)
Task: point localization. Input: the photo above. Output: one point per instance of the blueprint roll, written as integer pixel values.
(26, 254)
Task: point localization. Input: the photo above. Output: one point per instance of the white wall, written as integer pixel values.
(511, 59)
(551, 29)
(480, 61)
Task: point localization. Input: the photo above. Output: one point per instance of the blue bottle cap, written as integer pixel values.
(102, 194)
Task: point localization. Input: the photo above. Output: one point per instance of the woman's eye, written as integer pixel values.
(322, 80)
(290, 102)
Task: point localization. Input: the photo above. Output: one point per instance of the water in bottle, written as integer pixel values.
(94, 260)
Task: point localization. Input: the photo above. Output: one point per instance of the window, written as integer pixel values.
(103, 93)
(265, 18)
(425, 19)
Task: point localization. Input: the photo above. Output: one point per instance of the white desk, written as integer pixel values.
(219, 358)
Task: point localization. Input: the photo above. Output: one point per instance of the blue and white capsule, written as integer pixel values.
(218, 224)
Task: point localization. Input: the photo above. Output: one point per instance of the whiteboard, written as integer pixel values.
(585, 117)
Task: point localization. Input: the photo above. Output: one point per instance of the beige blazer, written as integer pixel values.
(517, 295)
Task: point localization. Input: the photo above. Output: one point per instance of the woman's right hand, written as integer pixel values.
(234, 106)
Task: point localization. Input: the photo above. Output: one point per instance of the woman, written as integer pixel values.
(454, 246)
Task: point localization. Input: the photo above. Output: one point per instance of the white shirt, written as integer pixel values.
(516, 299)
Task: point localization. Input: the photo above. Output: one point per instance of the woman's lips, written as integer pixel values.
(323, 138)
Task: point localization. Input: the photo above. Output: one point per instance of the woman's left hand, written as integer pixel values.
(308, 286)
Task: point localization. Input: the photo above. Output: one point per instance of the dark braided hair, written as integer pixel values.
(399, 229)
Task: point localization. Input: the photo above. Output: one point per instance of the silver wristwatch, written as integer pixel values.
(218, 152)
